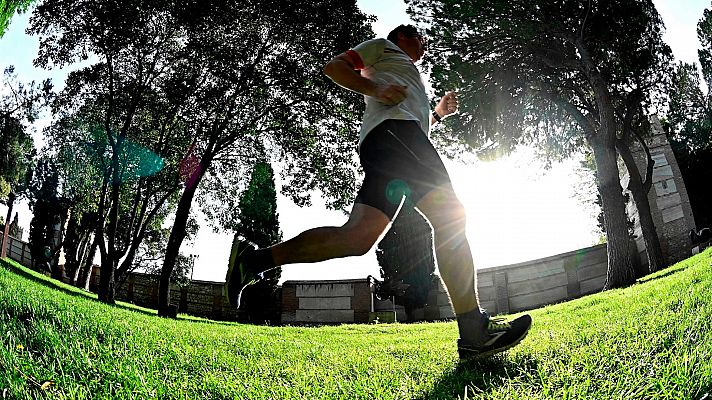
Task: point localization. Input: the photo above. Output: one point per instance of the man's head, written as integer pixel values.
(409, 40)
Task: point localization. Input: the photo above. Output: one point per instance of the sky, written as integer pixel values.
(516, 210)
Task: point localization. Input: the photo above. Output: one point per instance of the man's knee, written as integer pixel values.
(363, 229)
(444, 210)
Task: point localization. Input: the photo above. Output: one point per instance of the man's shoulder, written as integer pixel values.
(379, 45)
(375, 43)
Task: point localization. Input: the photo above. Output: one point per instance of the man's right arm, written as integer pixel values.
(342, 70)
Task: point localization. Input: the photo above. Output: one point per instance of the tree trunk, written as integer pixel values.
(107, 282)
(621, 270)
(172, 250)
(81, 256)
(85, 276)
(6, 231)
(656, 261)
(107, 290)
(109, 259)
(178, 234)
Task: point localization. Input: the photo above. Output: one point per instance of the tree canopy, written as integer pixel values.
(554, 74)
(219, 84)
(8, 8)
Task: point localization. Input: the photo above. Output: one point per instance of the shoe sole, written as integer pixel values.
(466, 354)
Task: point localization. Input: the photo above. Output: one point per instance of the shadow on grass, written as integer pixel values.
(63, 287)
(479, 377)
(671, 271)
(701, 257)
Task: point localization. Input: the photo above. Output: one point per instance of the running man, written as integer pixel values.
(402, 169)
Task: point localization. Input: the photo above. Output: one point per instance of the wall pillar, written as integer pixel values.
(501, 292)
(669, 203)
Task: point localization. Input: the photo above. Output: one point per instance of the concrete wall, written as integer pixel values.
(669, 203)
(503, 289)
(532, 284)
(18, 250)
(351, 301)
(340, 301)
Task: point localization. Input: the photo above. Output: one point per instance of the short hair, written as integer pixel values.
(408, 30)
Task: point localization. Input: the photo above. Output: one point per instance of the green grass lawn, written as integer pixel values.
(651, 340)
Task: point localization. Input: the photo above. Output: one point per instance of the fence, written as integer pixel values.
(18, 250)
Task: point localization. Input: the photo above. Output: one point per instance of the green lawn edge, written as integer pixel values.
(650, 340)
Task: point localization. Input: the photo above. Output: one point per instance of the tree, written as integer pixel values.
(554, 74)
(405, 255)
(8, 8)
(150, 255)
(18, 104)
(639, 186)
(48, 212)
(126, 105)
(257, 220)
(262, 90)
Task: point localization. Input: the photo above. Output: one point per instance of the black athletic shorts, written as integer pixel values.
(398, 160)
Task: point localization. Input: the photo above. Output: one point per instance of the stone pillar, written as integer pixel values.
(501, 292)
(573, 285)
(290, 303)
(669, 204)
(361, 301)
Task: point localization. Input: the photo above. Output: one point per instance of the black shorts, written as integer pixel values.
(399, 161)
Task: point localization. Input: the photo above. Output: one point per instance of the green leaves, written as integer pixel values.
(521, 67)
(18, 104)
(8, 8)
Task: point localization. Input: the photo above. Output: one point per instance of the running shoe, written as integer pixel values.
(502, 335)
(239, 274)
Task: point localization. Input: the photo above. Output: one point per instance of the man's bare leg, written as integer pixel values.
(365, 226)
(479, 335)
(447, 216)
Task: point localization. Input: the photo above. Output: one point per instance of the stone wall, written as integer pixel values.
(18, 250)
(532, 284)
(199, 298)
(315, 302)
(669, 204)
(503, 289)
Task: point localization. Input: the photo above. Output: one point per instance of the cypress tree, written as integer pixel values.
(257, 212)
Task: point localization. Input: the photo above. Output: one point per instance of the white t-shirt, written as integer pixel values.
(381, 61)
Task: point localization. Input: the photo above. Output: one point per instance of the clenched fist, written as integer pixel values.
(447, 104)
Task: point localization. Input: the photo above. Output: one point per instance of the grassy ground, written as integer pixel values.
(651, 340)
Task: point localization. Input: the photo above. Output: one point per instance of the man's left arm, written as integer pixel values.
(446, 106)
